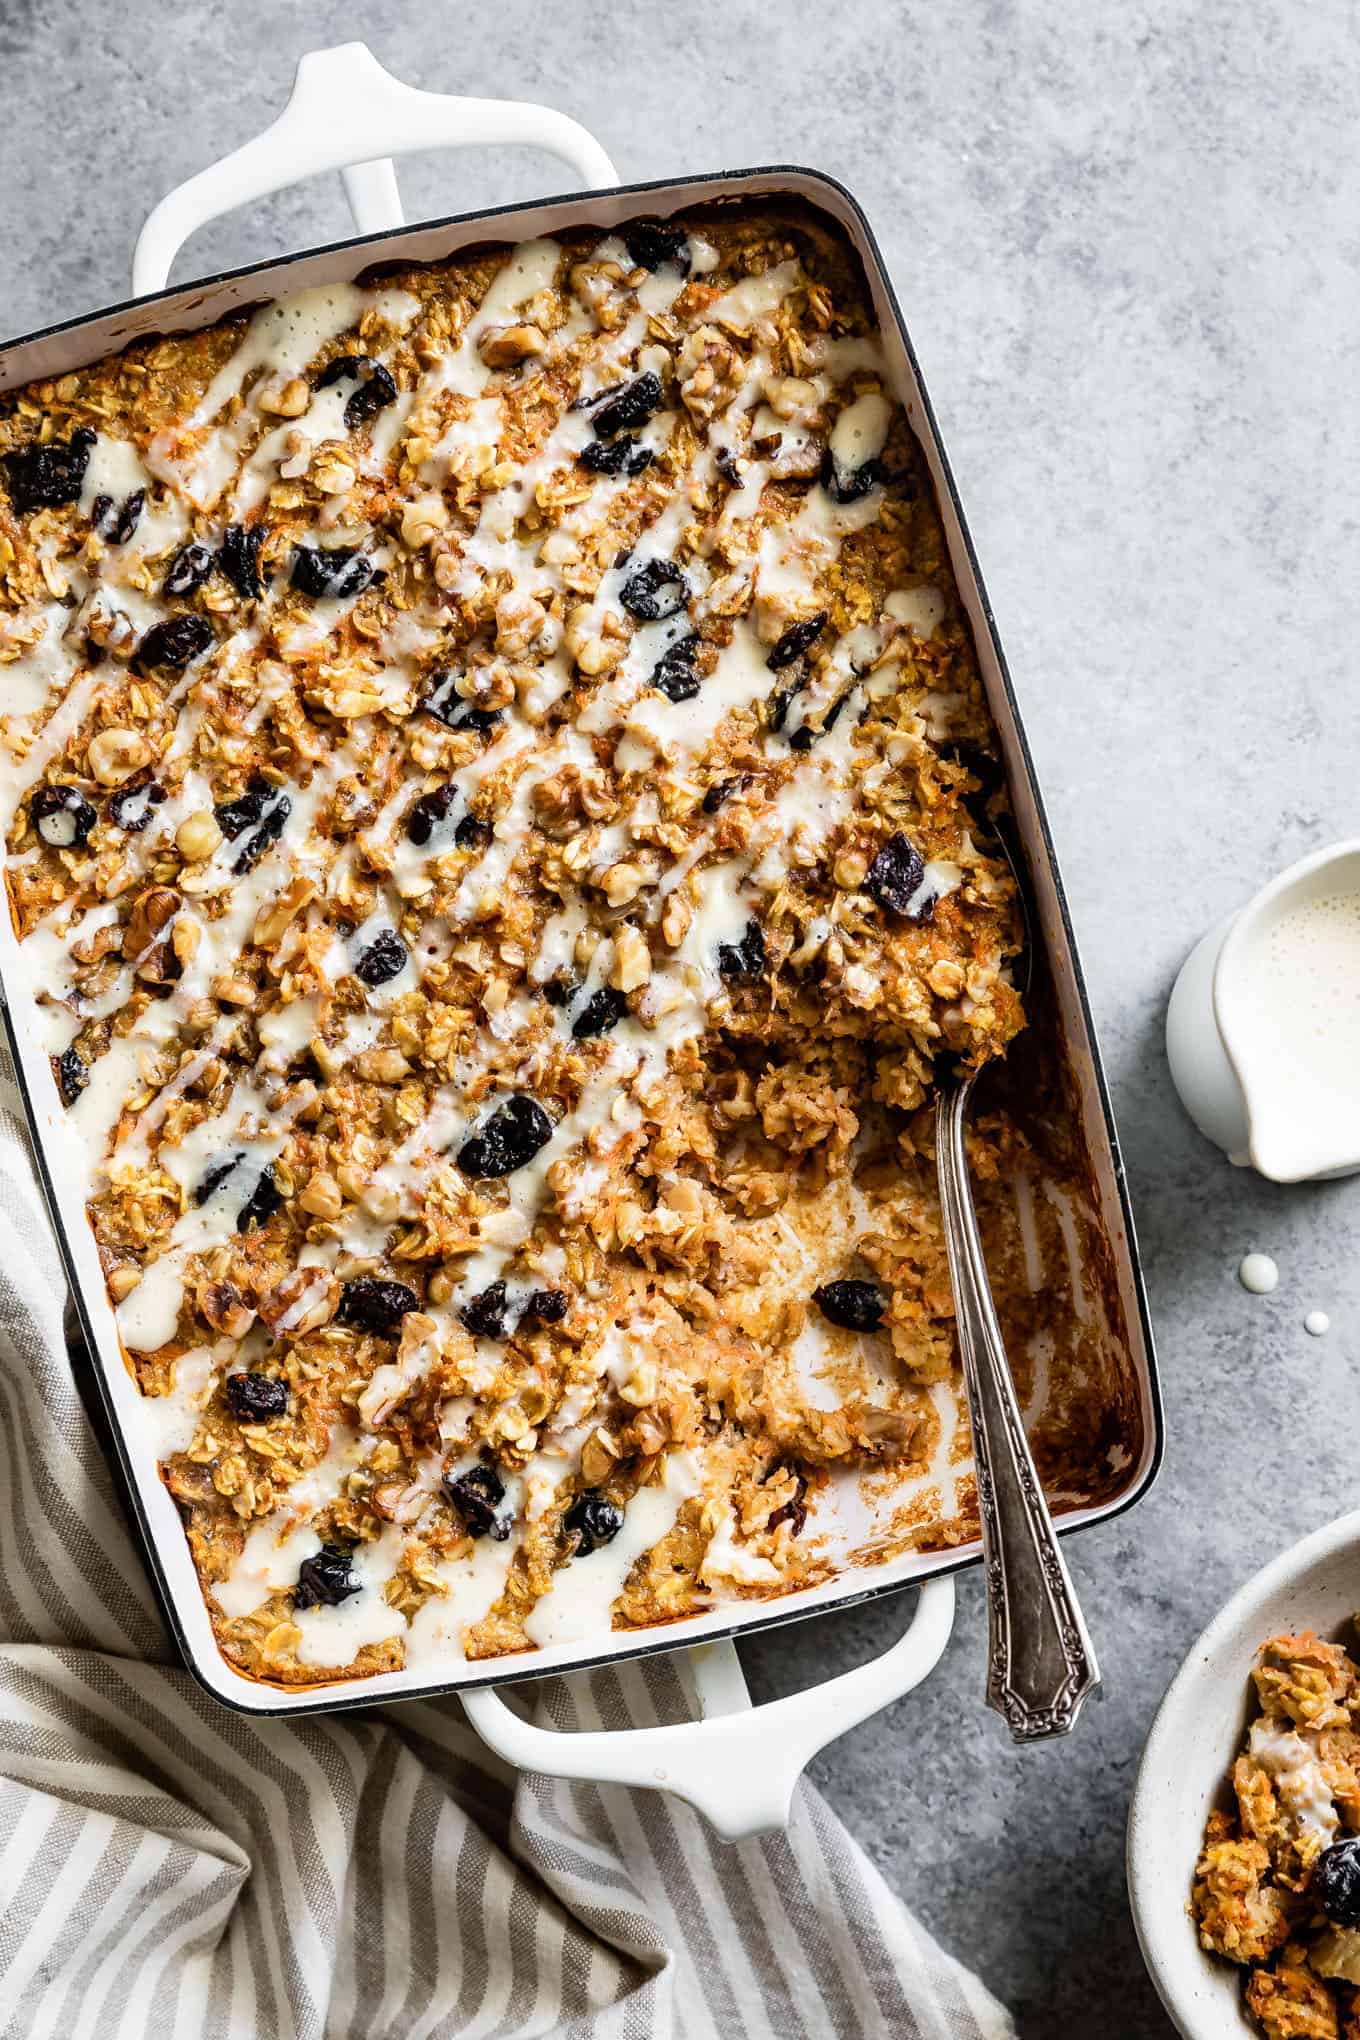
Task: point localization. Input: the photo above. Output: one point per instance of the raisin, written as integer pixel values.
(443, 701)
(372, 1305)
(174, 643)
(654, 590)
(511, 1137)
(807, 734)
(546, 1306)
(1336, 1882)
(653, 243)
(239, 559)
(62, 817)
(846, 484)
(723, 790)
(330, 573)
(744, 959)
(234, 817)
(477, 1496)
(131, 808)
(263, 1201)
(603, 1009)
(114, 522)
(895, 876)
(633, 405)
(271, 827)
(375, 392)
(595, 1521)
(429, 812)
(72, 1073)
(729, 467)
(562, 987)
(255, 1398)
(796, 640)
(472, 833)
(859, 1306)
(45, 477)
(213, 1178)
(673, 674)
(189, 569)
(325, 1579)
(615, 457)
(384, 958)
(793, 1513)
(484, 1315)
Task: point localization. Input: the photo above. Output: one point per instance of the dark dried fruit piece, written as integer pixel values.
(234, 817)
(375, 392)
(894, 878)
(562, 987)
(511, 1137)
(654, 590)
(721, 790)
(729, 467)
(472, 833)
(329, 574)
(859, 1306)
(1336, 1882)
(594, 1520)
(115, 523)
(272, 824)
(62, 817)
(384, 958)
(796, 640)
(484, 1314)
(255, 1398)
(188, 570)
(673, 674)
(477, 1496)
(631, 406)
(132, 807)
(372, 1305)
(615, 457)
(263, 1201)
(45, 477)
(793, 1513)
(443, 700)
(653, 243)
(174, 643)
(807, 734)
(744, 959)
(603, 1009)
(846, 484)
(239, 559)
(546, 1306)
(212, 1179)
(72, 1073)
(326, 1579)
(429, 813)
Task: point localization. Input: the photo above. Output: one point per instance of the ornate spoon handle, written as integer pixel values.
(1040, 1664)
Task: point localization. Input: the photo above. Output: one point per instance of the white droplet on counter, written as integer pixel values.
(1258, 1273)
(1317, 1322)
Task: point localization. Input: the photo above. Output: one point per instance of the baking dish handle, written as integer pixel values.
(347, 113)
(738, 1764)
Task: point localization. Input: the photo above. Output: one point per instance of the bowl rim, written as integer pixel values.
(1145, 1864)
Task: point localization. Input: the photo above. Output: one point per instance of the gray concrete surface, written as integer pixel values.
(1125, 236)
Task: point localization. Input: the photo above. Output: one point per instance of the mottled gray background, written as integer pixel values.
(1126, 241)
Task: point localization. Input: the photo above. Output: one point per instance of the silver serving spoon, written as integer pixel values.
(1040, 1664)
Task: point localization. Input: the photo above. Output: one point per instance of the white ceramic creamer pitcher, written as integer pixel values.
(1263, 1028)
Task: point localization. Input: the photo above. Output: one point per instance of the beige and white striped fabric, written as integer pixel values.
(170, 1869)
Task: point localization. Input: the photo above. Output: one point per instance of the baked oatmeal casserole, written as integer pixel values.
(501, 829)
(1277, 1885)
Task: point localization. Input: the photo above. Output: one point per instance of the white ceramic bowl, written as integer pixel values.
(1314, 1585)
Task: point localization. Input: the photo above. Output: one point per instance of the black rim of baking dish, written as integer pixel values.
(342, 1697)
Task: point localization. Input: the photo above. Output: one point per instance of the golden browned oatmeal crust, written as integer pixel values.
(501, 829)
(1277, 1885)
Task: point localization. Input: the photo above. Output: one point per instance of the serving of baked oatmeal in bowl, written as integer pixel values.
(504, 825)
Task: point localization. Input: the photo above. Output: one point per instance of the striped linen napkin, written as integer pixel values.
(169, 1868)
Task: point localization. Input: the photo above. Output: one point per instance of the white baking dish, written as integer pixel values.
(739, 1768)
